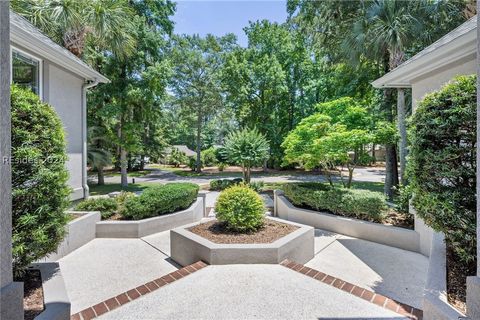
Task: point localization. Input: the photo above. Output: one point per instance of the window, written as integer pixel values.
(26, 71)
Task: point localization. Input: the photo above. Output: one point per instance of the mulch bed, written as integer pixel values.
(399, 219)
(33, 294)
(217, 232)
(457, 272)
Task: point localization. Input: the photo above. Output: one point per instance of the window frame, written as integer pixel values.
(30, 56)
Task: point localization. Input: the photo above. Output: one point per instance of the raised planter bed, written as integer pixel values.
(80, 231)
(55, 297)
(187, 247)
(145, 227)
(375, 232)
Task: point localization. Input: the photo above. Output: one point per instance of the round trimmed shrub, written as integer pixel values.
(442, 163)
(39, 179)
(241, 208)
(159, 200)
(106, 206)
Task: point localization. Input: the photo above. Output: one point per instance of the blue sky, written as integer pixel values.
(225, 16)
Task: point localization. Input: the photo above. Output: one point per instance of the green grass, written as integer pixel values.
(96, 190)
(133, 174)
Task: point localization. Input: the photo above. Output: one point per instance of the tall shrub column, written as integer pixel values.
(473, 283)
(11, 293)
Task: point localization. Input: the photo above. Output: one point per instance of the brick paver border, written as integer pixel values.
(370, 296)
(135, 293)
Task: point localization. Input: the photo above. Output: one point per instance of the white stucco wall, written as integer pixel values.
(63, 90)
(437, 78)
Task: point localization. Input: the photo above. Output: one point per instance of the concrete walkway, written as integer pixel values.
(392, 272)
(107, 267)
(249, 292)
(104, 268)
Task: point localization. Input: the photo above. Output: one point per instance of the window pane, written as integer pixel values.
(25, 71)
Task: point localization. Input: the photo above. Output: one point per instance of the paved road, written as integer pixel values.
(369, 174)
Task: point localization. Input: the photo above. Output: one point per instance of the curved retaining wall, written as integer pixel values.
(388, 235)
(422, 240)
(145, 227)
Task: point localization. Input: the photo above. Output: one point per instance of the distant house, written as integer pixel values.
(61, 79)
(182, 148)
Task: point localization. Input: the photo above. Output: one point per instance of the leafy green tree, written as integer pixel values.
(247, 148)
(332, 137)
(196, 86)
(107, 23)
(177, 158)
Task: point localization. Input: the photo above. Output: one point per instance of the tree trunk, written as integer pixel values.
(374, 159)
(142, 162)
(123, 161)
(247, 175)
(198, 163)
(402, 128)
(101, 176)
(350, 176)
(391, 176)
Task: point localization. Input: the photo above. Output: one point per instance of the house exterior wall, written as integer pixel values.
(63, 90)
(437, 78)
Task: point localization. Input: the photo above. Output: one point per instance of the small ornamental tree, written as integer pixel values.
(442, 164)
(247, 148)
(39, 179)
(319, 142)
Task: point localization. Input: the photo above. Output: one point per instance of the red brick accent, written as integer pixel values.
(135, 293)
(100, 308)
(365, 294)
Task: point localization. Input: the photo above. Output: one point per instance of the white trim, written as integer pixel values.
(30, 56)
(457, 49)
(47, 49)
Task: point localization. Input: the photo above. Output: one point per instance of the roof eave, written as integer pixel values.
(24, 39)
(401, 77)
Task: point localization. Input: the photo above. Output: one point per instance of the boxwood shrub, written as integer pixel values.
(160, 200)
(106, 206)
(39, 179)
(222, 184)
(241, 208)
(360, 204)
(442, 166)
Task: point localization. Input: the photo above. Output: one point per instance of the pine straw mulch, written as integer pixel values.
(218, 232)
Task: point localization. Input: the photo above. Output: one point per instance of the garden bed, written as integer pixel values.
(33, 294)
(457, 272)
(144, 227)
(218, 232)
(297, 245)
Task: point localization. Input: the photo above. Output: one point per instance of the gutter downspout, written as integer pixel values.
(85, 87)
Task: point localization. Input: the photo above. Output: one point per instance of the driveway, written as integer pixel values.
(365, 174)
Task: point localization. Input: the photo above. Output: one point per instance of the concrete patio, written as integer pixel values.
(105, 268)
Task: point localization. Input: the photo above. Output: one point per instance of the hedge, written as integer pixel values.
(39, 179)
(106, 206)
(354, 203)
(160, 200)
(442, 163)
(222, 184)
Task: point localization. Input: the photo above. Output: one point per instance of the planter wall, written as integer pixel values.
(79, 232)
(55, 297)
(187, 247)
(145, 227)
(388, 235)
(422, 239)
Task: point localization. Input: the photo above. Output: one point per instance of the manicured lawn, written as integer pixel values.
(130, 173)
(111, 187)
